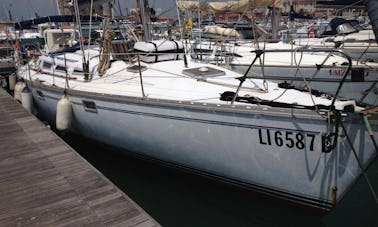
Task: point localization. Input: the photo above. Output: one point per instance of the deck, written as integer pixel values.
(44, 182)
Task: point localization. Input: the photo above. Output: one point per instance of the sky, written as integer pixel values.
(26, 9)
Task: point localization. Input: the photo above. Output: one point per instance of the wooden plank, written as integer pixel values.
(43, 182)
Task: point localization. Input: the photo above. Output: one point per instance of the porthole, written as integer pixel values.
(90, 106)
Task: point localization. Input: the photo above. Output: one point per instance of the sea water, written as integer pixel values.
(176, 198)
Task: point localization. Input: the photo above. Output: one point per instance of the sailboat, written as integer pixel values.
(347, 35)
(300, 67)
(293, 65)
(160, 104)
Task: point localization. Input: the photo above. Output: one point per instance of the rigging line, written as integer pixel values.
(243, 78)
(203, 99)
(305, 81)
(119, 8)
(66, 85)
(310, 91)
(367, 91)
(296, 72)
(175, 74)
(141, 78)
(370, 131)
(53, 73)
(363, 53)
(238, 21)
(179, 19)
(90, 27)
(343, 78)
(229, 85)
(78, 22)
(262, 65)
(204, 80)
(359, 163)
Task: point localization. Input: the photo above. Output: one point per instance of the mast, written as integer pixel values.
(275, 21)
(145, 18)
(10, 15)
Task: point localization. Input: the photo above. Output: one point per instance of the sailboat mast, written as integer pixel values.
(144, 18)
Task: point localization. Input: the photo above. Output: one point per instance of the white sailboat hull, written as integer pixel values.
(273, 151)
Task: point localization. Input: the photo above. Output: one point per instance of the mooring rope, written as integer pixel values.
(105, 55)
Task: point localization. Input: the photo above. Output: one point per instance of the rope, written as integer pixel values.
(359, 164)
(105, 55)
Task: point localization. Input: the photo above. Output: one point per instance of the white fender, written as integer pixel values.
(20, 85)
(63, 114)
(27, 99)
(12, 81)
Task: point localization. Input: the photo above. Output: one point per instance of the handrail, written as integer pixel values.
(301, 50)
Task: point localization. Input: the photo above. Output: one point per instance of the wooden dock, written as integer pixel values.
(44, 182)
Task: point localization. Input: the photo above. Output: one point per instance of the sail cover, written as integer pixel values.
(230, 6)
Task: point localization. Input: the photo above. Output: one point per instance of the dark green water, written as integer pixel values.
(176, 198)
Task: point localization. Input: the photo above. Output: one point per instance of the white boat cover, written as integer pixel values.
(216, 30)
(159, 50)
(229, 6)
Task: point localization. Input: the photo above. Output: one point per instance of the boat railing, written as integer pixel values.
(259, 58)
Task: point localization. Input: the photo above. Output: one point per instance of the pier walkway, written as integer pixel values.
(44, 182)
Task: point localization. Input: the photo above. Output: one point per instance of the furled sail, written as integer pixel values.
(372, 9)
(230, 6)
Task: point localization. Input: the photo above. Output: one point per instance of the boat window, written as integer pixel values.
(345, 29)
(60, 68)
(90, 106)
(40, 95)
(66, 59)
(78, 71)
(330, 39)
(61, 37)
(350, 40)
(5, 52)
(46, 65)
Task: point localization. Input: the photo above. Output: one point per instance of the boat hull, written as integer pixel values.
(271, 150)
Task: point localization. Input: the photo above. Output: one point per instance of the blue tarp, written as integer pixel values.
(68, 49)
(28, 24)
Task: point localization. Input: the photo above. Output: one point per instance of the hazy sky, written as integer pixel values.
(26, 9)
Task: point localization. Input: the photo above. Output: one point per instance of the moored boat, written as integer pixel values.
(307, 68)
(281, 142)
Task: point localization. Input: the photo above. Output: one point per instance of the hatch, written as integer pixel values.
(203, 72)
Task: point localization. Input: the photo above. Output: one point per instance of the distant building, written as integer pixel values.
(102, 7)
(327, 8)
(300, 6)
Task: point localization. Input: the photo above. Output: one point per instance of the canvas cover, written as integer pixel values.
(230, 6)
